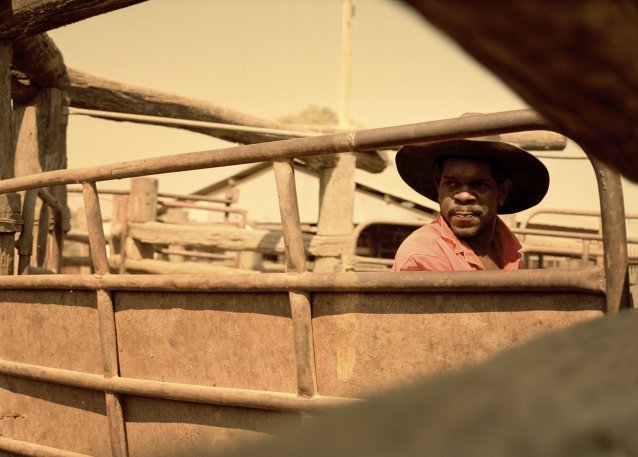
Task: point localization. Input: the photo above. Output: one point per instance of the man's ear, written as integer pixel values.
(504, 190)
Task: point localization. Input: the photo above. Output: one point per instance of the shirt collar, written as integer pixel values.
(458, 246)
(506, 242)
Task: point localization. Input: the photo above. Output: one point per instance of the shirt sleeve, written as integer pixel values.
(421, 262)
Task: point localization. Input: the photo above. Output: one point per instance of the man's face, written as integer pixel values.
(469, 196)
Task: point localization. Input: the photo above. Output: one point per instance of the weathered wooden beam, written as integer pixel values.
(336, 209)
(229, 238)
(7, 153)
(40, 143)
(92, 92)
(141, 207)
(21, 18)
(166, 267)
(9, 203)
(40, 60)
(22, 91)
(574, 62)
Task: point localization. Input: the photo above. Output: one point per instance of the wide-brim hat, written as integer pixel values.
(530, 179)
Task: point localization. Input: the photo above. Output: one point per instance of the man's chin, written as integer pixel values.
(465, 232)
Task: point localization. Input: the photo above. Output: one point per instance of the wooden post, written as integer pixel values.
(336, 206)
(119, 217)
(79, 249)
(26, 162)
(175, 216)
(9, 203)
(142, 207)
(336, 185)
(250, 260)
(40, 145)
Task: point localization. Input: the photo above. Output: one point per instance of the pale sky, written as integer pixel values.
(270, 58)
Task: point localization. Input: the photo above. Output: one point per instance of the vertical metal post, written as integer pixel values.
(106, 319)
(300, 305)
(108, 341)
(289, 211)
(612, 213)
(94, 226)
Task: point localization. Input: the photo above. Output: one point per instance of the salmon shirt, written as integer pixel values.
(434, 247)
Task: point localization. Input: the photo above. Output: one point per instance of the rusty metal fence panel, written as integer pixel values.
(210, 369)
(124, 365)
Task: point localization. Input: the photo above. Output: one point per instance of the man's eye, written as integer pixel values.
(482, 186)
(450, 184)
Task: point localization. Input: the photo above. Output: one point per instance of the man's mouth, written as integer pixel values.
(464, 214)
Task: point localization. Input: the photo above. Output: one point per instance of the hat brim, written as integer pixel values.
(530, 178)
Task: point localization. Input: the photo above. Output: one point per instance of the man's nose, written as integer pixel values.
(464, 196)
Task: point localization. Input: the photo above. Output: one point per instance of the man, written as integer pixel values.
(472, 181)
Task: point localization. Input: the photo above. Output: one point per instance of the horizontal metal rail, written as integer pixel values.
(564, 280)
(243, 398)
(566, 212)
(19, 447)
(361, 140)
(356, 259)
(561, 234)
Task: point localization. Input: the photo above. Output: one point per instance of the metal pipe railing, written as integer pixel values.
(566, 212)
(300, 306)
(612, 208)
(361, 140)
(19, 447)
(106, 320)
(469, 126)
(244, 398)
(565, 234)
(588, 280)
